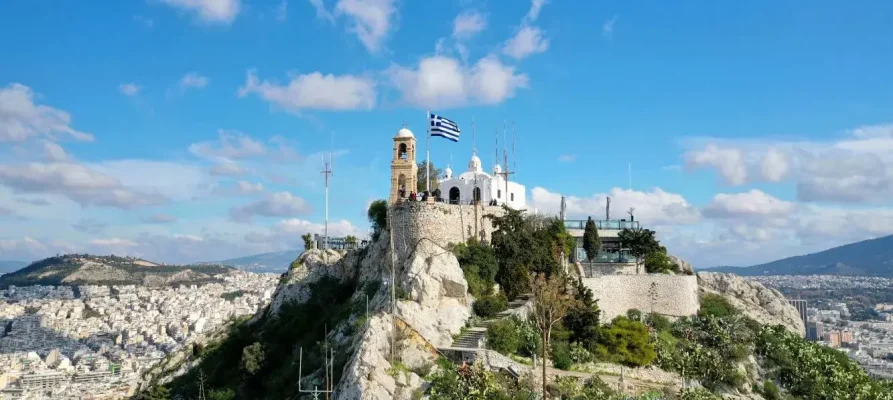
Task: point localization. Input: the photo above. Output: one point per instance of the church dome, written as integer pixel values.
(404, 133)
(497, 169)
(448, 173)
(474, 165)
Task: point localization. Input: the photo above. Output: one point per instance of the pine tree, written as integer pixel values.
(591, 242)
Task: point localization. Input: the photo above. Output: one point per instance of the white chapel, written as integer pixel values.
(475, 184)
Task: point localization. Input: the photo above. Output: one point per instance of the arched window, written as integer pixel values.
(401, 185)
(476, 194)
(454, 195)
(401, 152)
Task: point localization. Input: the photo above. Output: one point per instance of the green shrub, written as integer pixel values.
(580, 354)
(698, 394)
(658, 322)
(489, 306)
(626, 342)
(504, 337)
(634, 314)
(716, 306)
(479, 265)
(770, 391)
(561, 355)
(582, 321)
(658, 262)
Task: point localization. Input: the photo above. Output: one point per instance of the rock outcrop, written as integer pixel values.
(684, 266)
(764, 305)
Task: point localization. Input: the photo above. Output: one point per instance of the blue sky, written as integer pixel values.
(190, 130)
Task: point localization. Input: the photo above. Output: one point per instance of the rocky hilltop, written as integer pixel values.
(81, 269)
(764, 305)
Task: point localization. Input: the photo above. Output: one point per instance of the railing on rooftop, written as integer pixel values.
(602, 224)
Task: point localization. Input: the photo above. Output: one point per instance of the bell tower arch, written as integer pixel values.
(404, 170)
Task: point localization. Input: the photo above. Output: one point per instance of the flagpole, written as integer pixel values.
(428, 153)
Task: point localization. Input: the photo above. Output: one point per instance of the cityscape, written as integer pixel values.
(96, 341)
(866, 339)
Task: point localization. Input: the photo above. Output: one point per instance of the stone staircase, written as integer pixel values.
(473, 338)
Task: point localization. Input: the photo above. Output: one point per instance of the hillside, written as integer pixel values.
(79, 269)
(10, 266)
(873, 257)
(276, 262)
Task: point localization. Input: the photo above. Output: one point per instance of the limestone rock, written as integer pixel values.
(684, 266)
(433, 273)
(764, 305)
(310, 267)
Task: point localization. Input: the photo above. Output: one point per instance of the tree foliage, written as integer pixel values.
(308, 241)
(659, 262)
(640, 242)
(479, 265)
(473, 382)
(551, 303)
(421, 176)
(582, 320)
(378, 215)
(490, 305)
(625, 341)
(252, 358)
(591, 242)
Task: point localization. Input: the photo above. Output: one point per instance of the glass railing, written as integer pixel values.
(602, 224)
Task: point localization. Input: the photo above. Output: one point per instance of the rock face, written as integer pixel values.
(684, 266)
(764, 305)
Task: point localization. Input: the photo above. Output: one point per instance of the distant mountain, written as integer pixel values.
(873, 257)
(10, 266)
(275, 262)
(85, 269)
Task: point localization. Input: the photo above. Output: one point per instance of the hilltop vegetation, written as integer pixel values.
(79, 269)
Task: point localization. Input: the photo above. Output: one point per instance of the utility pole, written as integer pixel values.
(326, 171)
(201, 385)
(328, 368)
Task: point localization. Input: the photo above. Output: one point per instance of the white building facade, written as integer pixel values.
(475, 184)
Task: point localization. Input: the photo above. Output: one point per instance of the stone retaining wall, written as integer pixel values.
(673, 295)
(441, 223)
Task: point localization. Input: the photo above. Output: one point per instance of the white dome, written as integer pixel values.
(474, 165)
(448, 173)
(497, 169)
(404, 133)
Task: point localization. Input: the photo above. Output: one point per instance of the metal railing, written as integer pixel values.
(602, 224)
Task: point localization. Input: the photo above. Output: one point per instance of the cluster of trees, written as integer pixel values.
(642, 244)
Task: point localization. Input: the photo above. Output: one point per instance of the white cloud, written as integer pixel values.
(227, 169)
(321, 12)
(21, 118)
(468, 24)
(171, 180)
(230, 145)
(608, 27)
(527, 41)
(210, 11)
(535, 7)
(193, 80)
(26, 249)
(314, 91)
(281, 11)
(656, 207)
(729, 161)
(113, 242)
(281, 204)
(371, 20)
(443, 82)
(77, 182)
(248, 187)
(54, 152)
(129, 89)
(567, 157)
(754, 203)
(855, 168)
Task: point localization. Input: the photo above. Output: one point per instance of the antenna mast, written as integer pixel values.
(326, 171)
(328, 367)
(608, 209)
(505, 157)
(514, 152)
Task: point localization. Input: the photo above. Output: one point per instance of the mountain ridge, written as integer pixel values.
(871, 257)
(276, 261)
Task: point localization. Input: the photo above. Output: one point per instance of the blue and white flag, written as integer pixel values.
(444, 128)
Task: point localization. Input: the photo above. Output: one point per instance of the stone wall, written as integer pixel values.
(674, 295)
(591, 270)
(441, 223)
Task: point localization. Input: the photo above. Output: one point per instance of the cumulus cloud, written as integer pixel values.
(468, 24)
(209, 11)
(227, 169)
(77, 182)
(230, 145)
(281, 204)
(129, 89)
(314, 91)
(241, 187)
(193, 80)
(54, 152)
(371, 20)
(21, 118)
(443, 82)
(754, 203)
(854, 168)
(535, 7)
(656, 207)
(528, 40)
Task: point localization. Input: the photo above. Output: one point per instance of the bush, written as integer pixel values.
(582, 321)
(658, 322)
(770, 391)
(716, 306)
(698, 394)
(478, 262)
(489, 306)
(580, 354)
(626, 342)
(658, 262)
(561, 355)
(634, 314)
(504, 337)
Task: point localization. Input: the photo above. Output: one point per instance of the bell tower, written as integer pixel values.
(404, 170)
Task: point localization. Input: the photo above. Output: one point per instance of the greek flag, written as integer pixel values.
(444, 128)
